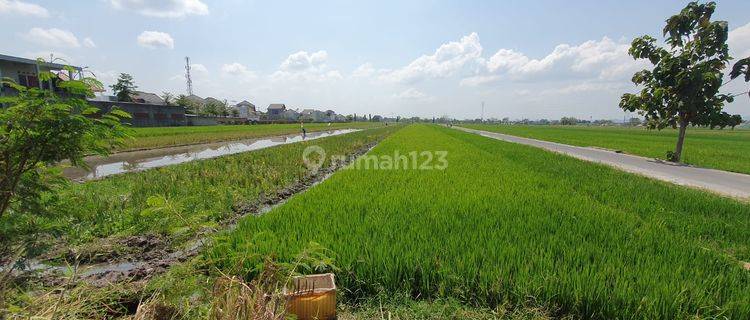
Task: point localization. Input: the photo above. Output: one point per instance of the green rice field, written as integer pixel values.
(719, 149)
(514, 226)
(184, 197)
(156, 137)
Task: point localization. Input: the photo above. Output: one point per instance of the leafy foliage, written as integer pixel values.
(190, 106)
(39, 128)
(683, 87)
(124, 87)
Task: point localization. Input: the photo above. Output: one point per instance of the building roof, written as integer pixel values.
(32, 61)
(276, 106)
(147, 97)
(212, 100)
(245, 103)
(196, 99)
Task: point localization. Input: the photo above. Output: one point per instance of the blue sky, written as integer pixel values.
(524, 59)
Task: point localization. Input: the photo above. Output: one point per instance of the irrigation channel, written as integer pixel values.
(159, 258)
(131, 161)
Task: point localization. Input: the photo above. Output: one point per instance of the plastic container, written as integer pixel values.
(312, 297)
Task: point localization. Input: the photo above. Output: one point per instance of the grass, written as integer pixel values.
(719, 149)
(146, 138)
(510, 225)
(179, 199)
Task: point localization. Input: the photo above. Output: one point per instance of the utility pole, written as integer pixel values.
(187, 77)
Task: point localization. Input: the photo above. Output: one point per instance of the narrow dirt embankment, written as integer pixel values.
(140, 257)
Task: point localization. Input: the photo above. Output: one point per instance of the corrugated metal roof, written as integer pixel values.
(34, 62)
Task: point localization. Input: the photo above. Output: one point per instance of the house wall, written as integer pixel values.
(12, 70)
(147, 115)
(193, 120)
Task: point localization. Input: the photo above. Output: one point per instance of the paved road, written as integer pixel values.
(725, 183)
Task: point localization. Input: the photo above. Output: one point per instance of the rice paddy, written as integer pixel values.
(511, 225)
(719, 149)
(156, 137)
(177, 199)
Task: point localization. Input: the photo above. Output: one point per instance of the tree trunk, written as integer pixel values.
(680, 140)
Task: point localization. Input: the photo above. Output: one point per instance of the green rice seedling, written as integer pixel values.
(180, 199)
(513, 226)
(719, 149)
(157, 137)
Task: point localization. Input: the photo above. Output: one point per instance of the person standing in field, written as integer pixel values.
(304, 132)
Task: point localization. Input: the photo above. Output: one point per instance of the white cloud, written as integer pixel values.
(163, 8)
(364, 70)
(199, 68)
(302, 66)
(23, 8)
(604, 59)
(237, 69)
(281, 76)
(587, 86)
(479, 80)
(303, 61)
(52, 37)
(198, 72)
(88, 43)
(739, 42)
(155, 39)
(412, 94)
(449, 59)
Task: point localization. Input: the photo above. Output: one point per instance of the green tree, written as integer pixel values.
(568, 121)
(190, 106)
(683, 87)
(634, 122)
(212, 108)
(124, 87)
(39, 128)
(168, 98)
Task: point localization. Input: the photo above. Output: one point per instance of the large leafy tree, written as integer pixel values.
(39, 128)
(190, 106)
(124, 87)
(683, 88)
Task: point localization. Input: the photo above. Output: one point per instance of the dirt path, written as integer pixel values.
(725, 183)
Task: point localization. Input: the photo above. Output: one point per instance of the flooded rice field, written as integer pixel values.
(132, 161)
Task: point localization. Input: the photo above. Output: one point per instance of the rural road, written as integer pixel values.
(725, 183)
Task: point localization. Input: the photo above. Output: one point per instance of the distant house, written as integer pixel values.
(147, 97)
(290, 115)
(275, 110)
(312, 115)
(25, 72)
(214, 101)
(198, 101)
(247, 110)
